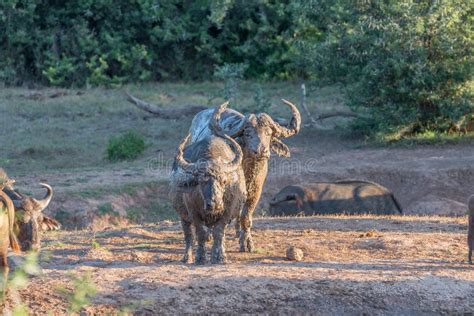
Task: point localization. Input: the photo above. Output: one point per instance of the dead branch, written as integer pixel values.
(337, 113)
(171, 113)
(314, 120)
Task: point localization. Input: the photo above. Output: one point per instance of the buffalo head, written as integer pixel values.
(29, 217)
(260, 134)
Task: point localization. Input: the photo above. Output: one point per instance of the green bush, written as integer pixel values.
(128, 146)
(152, 213)
(407, 65)
(104, 42)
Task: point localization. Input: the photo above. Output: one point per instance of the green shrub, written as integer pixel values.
(231, 75)
(83, 290)
(105, 42)
(128, 146)
(407, 65)
(106, 209)
(152, 213)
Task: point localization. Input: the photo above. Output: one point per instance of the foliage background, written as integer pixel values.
(404, 64)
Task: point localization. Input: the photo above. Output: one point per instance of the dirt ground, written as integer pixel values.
(429, 180)
(414, 264)
(384, 265)
(63, 141)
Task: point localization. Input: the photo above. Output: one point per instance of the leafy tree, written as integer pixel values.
(105, 42)
(408, 64)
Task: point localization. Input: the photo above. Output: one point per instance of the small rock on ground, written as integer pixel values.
(294, 254)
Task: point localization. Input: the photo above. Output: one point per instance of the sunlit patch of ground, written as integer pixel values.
(352, 264)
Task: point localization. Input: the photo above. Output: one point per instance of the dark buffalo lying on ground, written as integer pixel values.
(350, 197)
(208, 189)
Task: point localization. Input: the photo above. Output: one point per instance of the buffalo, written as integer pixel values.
(208, 189)
(7, 236)
(351, 197)
(470, 232)
(258, 135)
(29, 217)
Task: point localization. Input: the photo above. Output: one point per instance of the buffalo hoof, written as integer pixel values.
(200, 261)
(246, 243)
(187, 259)
(200, 258)
(247, 248)
(218, 257)
(219, 260)
(250, 246)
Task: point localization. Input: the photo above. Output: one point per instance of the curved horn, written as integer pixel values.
(295, 123)
(214, 125)
(42, 204)
(217, 129)
(180, 161)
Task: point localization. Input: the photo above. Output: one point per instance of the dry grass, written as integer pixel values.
(71, 131)
(405, 265)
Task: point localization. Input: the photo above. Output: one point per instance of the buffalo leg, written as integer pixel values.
(4, 268)
(470, 237)
(188, 240)
(202, 235)
(209, 234)
(469, 256)
(218, 250)
(246, 242)
(237, 226)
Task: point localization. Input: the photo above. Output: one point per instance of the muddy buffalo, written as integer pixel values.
(350, 197)
(7, 236)
(208, 189)
(258, 135)
(29, 217)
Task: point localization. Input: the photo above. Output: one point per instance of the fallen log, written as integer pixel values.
(170, 113)
(337, 113)
(314, 121)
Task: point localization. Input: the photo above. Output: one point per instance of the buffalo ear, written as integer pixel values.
(279, 148)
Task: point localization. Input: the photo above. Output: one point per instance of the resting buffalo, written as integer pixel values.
(208, 189)
(470, 233)
(351, 197)
(257, 134)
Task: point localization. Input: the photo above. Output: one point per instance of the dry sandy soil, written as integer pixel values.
(384, 265)
(429, 180)
(63, 141)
